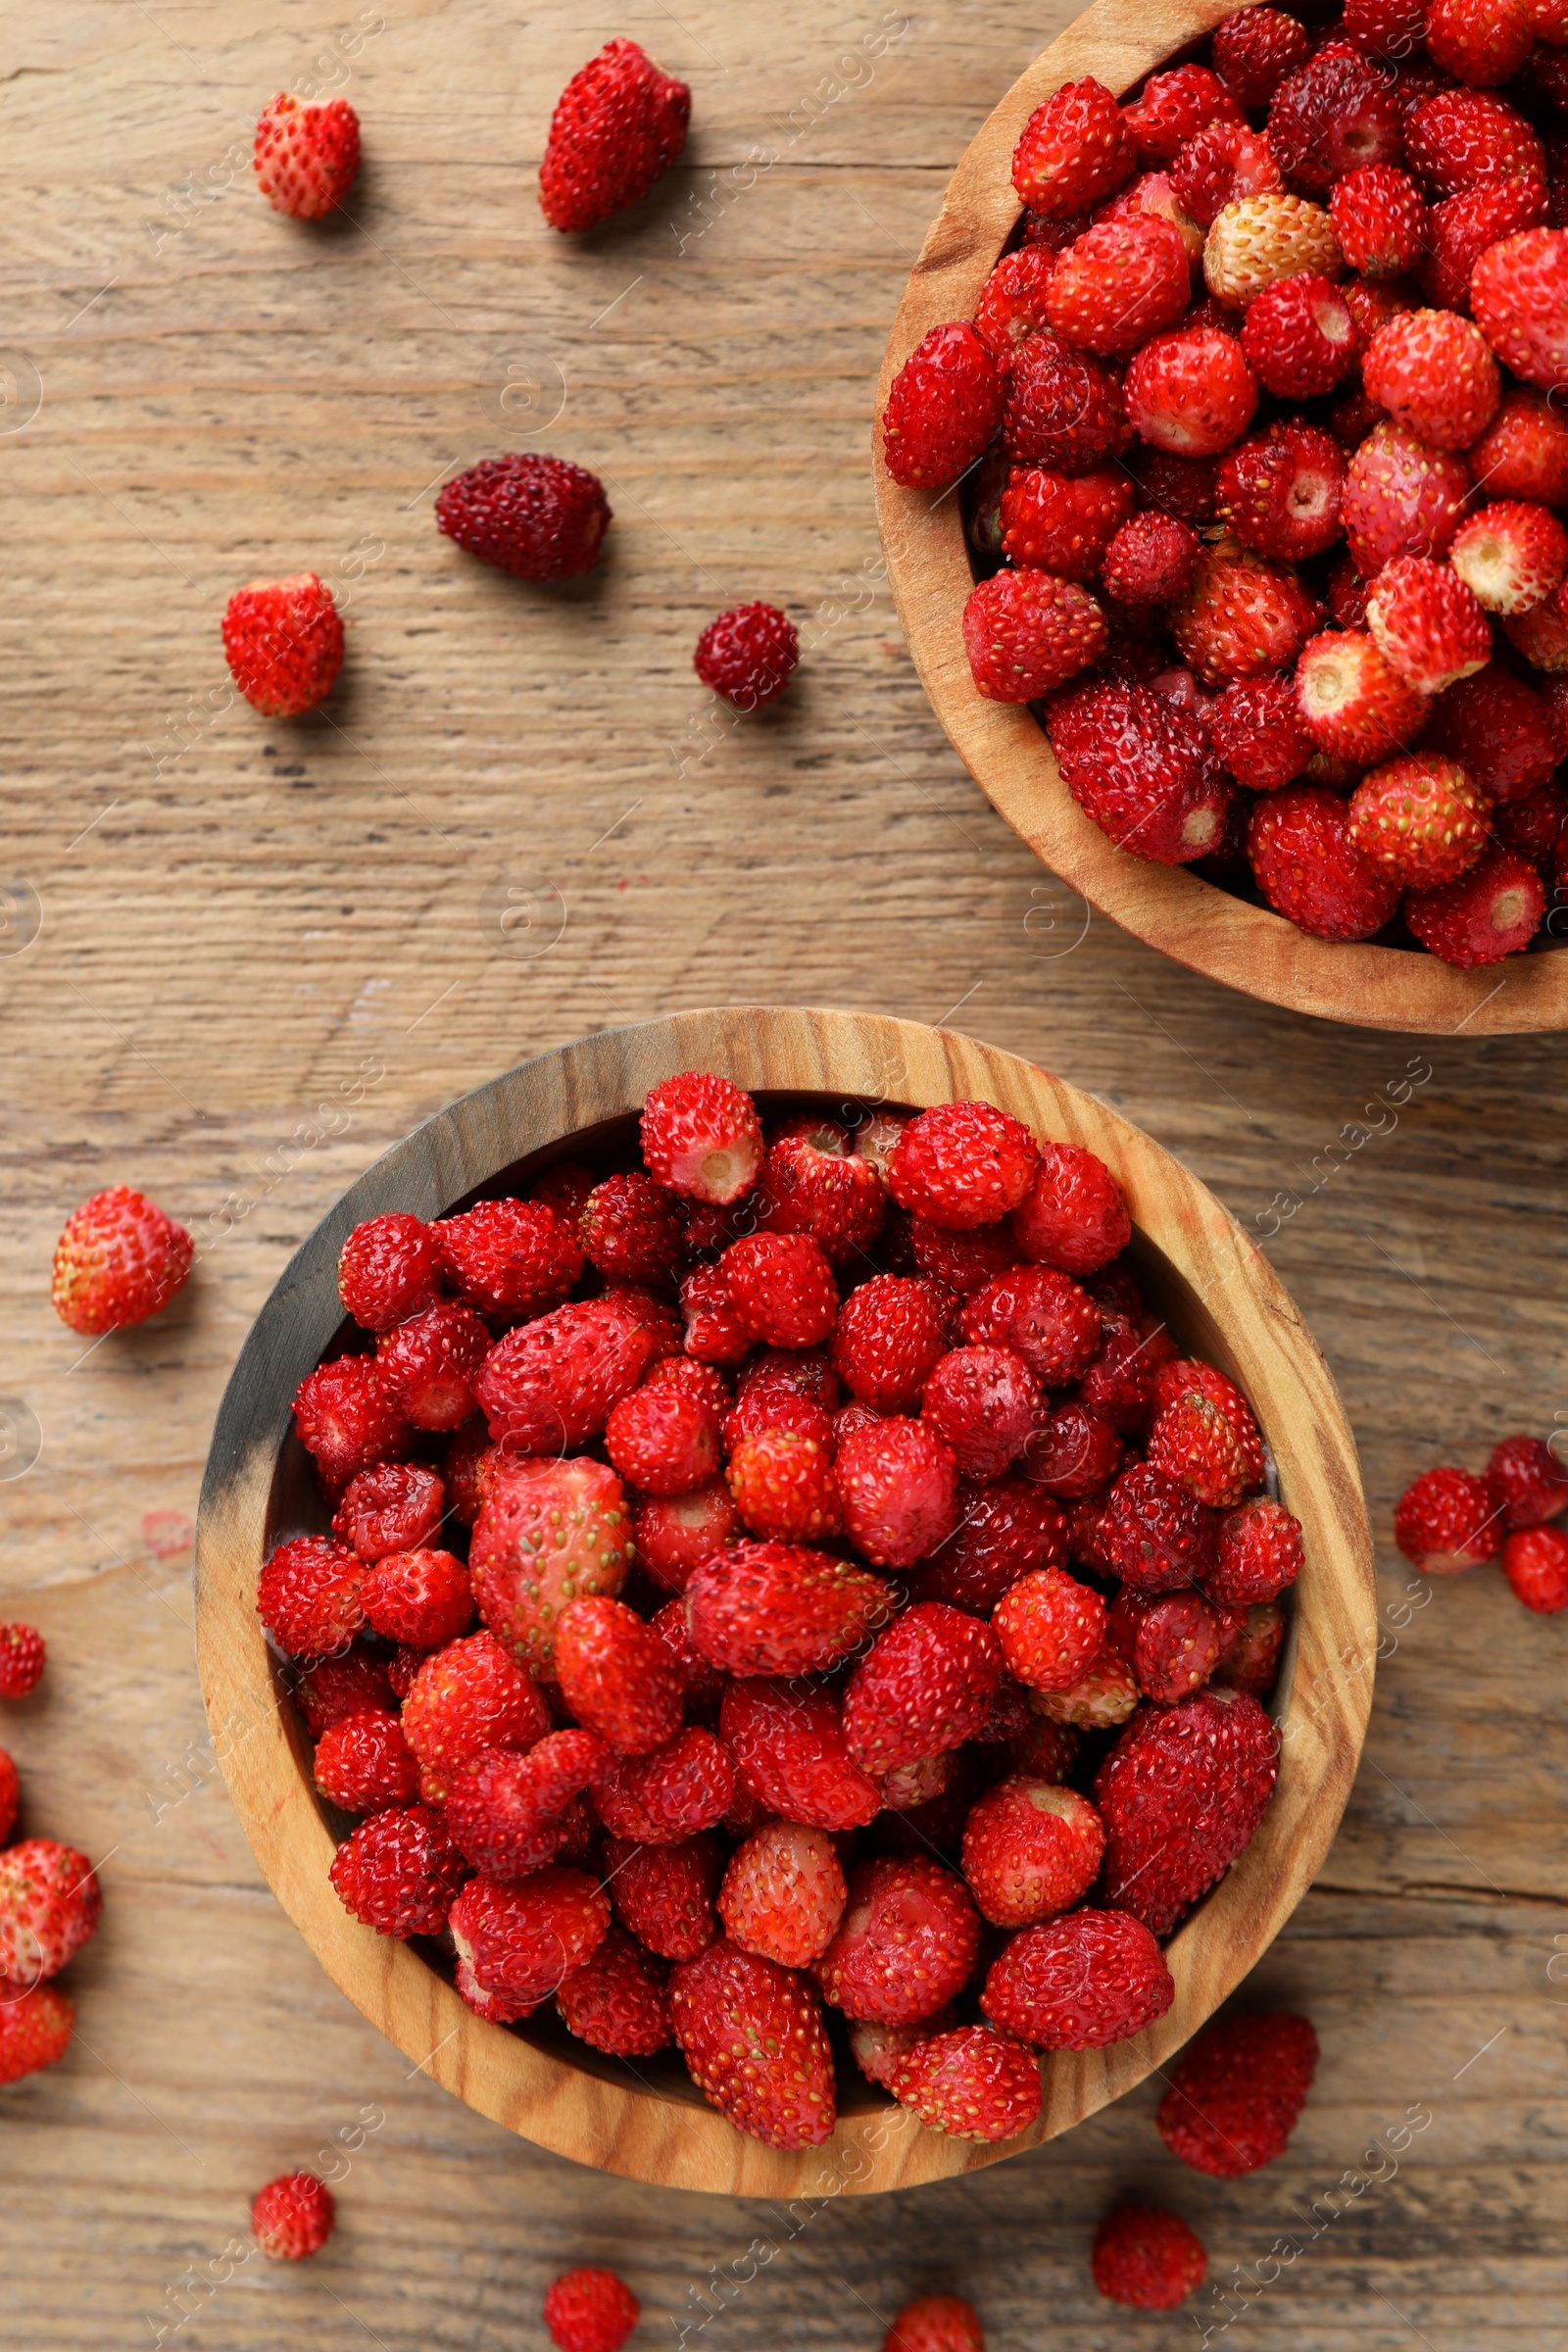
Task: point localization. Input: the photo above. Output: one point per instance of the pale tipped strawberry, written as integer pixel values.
(1493, 910)
(1510, 556)
(1427, 624)
(1353, 703)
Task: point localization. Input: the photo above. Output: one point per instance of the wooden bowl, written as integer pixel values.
(1222, 1300)
(1004, 746)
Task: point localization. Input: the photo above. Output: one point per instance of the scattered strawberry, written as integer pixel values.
(1493, 910)
(1446, 1520)
(35, 2030)
(306, 156)
(970, 2084)
(935, 2324)
(50, 1904)
(22, 1660)
(1530, 1479)
(1535, 1560)
(588, 2310)
(283, 641)
(1147, 2259)
(751, 2034)
(533, 517)
(1079, 1983)
(1180, 1795)
(748, 655)
(293, 2217)
(617, 125)
(118, 1261)
(1236, 2094)
(400, 1871)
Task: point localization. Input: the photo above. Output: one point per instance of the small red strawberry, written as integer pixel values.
(1256, 49)
(1030, 1850)
(1482, 42)
(663, 1799)
(363, 1764)
(1379, 220)
(775, 1608)
(1181, 1793)
(22, 1660)
(306, 155)
(50, 1904)
(1028, 632)
(822, 1189)
(888, 1338)
(1251, 1661)
(283, 641)
(400, 1871)
(752, 2038)
(1258, 733)
(1236, 2094)
(1079, 1983)
(1531, 1480)
(1280, 490)
(616, 1676)
(899, 1484)
(553, 1382)
(1242, 615)
(1172, 1640)
(1523, 454)
(748, 655)
(1519, 292)
(309, 1596)
(547, 1532)
(1336, 115)
(422, 1598)
(1013, 300)
(1063, 525)
(1155, 1535)
(984, 1404)
(781, 1289)
(701, 1137)
(1062, 409)
(1457, 138)
(118, 1261)
(293, 2217)
(1052, 1628)
(1501, 731)
(532, 517)
(1193, 1443)
(511, 1812)
(783, 1893)
(35, 2030)
(663, 1438)
(1150, 560)
(1510, 556)
(1493, 910)
(618, 125)
(1299, 338)
(1258, 1553)
(1462, 229)
(935, 2324)
(906, 1944)
(784, 1487)
(388, 1269)
(1107, 1695)
(1174, 106)
(519, 1945)
(616, 2001)
(1190, 392)
(590, 2310)
(970, 2084)
(1142, 767)
(943, 408)
(1535, 1560)
(664, 1894)
(1400, 498)
(789, 1747)
(1419, 820)
(926, 1685)
(1353, 703)
(470, 1696)
(341, 1687)
(1122, 282)
(1147, 2259)
(1076, 150)
(1433, 372)
(1446, 1520)
(962, 1164)
(426, 1365)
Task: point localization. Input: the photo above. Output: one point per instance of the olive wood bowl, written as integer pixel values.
(1004, 746)
(1222, 1300)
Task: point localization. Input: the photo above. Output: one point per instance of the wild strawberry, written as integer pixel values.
(1236, 2094)
(984, 1404)
(293, 2217)
(1152, 197)
(283, 641)
(1379, 220)
(1510, 556)
(1075, 1452)
(1392, 28)
(1220, 166)
(1501, 731)
(1147, 2259)
(1519, 293)
(705, 1381)
(1242, 615)
(1535, 825)
(1192, 1443)
(1353, 702)
(1427, 623)
(1298, 337)
(1075, 150)
(1535, 1560)
(1181, 1793)
(50, 1904)
(905, 1945)
(789, 1746)
(899, 1485)
(399, 1871)
(1523, 454)
(1258, 239)
(511, 1812)
(1337, 115)
(589, 2310)
(363, 1764)
(1181, 1375)
(663, 1438)
(1120, 283)
(674, 1535)
(118, 1261)
(1150, 560)
(1027, 632)
(1493, 910)
(631, 1229)
(519, 1945)
(1542, 636)
(511, 1259)
(1172, 1640)
(665, 1797)
(1460, 138)
(1062, 409)
(1052, 1628)
(616, 2001)
(1030, 1850)
(1482, 42)
(617, 125)
(1174, 106)
(1155, 1535)
(784, 1487)
(1258, 1553)
(420, 1597)
(972, 2085)
(1280, 490)
(306, 156)
(783, 1893)
(1308, 869)
(1258, 733)
(309, 1596)
(1064, 525)
(470, 1696)
(426, 1365)
(924, 1686)
(1251, 1661)
(748, 655)
(1005, 1529)
(664, 1894)
(943, 408)
(338, 1686)
(1461, 228)
(1532, 1482)
(701, 1137)
(553, 1382)
(35, 2030)
(1420, 820)
(1254, 50)
(1118, 1385)
(1432, 370)
(1401, 499)
(962, 1164)
(833, 1195)
(775, 1608)
(21, 1659)
(1013, 300)
(715, 1333)
(962, 1263)
(388, 1269)
(886, 1340)
(1079, 1983)
(1190, 392)
(346, 1419)
(1106, 1695)
(1448, 1519)
(1141, 769)
(1035, 1311)
(933, 2323)
(548, 1531)
(781, 1289)
(616, 1676)
(753, 2039)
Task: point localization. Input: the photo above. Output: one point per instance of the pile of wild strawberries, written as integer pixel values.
(1449, 1519)
(1264, 408)
(50, 1900)
(873, 1605)
(618, 125)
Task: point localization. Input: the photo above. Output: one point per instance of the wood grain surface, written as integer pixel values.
(1218, 1295)
(931, 573)
(245, 958)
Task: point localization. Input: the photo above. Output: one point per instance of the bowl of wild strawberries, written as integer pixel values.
(784, 1598)
(1223, 482)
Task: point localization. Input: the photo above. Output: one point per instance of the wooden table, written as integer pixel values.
(263, 952)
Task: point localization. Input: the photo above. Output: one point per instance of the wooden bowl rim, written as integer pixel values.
(1004, 747)
(1234, 1305)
